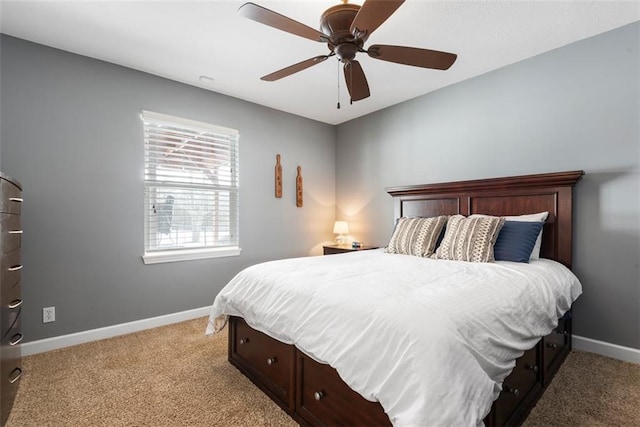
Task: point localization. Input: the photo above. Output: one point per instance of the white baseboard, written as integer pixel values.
(615, 351)
(47, 344)
(626, 354)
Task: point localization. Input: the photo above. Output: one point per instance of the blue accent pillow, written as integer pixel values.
(516, 241)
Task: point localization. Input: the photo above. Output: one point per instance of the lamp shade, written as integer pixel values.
(341, 227)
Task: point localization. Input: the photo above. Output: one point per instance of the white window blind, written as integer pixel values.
(190, 189)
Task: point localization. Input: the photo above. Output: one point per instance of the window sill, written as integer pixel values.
(189, 254)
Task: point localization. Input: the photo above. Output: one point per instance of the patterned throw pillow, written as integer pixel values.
(416, 236)
(470, 239)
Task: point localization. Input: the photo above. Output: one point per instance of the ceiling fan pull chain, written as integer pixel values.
(338, 84)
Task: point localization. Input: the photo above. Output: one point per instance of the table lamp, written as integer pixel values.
(340, 228)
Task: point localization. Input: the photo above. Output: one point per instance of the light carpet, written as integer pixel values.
(175, 376)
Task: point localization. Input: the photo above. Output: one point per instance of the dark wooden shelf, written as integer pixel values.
(336, 249)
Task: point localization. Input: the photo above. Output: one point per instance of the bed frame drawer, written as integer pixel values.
(336, 404)
(322, 398)
(267, 362)
(556, 346)
(523, 383)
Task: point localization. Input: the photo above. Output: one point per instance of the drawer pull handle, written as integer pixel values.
(513, 391)
(532, 368)
(16, 199)
(565, 333)
(244, 341)
(15, 303)
(15, 268)
(15, 231)
(15, 375)
(15, 340)
(553, 346)
(271, 361)
(318, 395)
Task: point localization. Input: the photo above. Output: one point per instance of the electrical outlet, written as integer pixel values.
(48, 314)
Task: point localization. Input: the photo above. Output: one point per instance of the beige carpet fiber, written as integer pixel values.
(175, 376)
(590, 390)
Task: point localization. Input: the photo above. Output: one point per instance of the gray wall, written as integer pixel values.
(573, 108)
(71, 133)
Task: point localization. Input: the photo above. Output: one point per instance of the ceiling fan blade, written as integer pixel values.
(277, 75)
(371, 15)
(424, 58)
(356, 81)
(281, 22)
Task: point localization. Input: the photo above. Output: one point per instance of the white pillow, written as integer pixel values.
(537, 217)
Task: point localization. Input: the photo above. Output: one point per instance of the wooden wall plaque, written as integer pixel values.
(278, 177)
(299, 188)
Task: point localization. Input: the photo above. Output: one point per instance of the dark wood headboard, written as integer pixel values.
(517, 195)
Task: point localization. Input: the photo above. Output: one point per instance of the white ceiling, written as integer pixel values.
(182, 40)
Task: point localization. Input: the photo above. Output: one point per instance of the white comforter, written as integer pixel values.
(431, 340)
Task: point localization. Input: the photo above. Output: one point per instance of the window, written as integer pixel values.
(190, 189)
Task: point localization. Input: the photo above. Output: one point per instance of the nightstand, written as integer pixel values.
(332, 249)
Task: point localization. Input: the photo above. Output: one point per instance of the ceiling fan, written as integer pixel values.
(345, 28)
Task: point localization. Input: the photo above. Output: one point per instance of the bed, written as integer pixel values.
(310, 355)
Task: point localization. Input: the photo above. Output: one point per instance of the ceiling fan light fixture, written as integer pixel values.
(346, 52)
